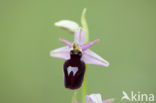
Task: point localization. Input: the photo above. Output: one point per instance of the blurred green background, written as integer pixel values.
(126, 28)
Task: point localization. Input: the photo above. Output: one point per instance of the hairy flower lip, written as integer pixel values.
(89, 57)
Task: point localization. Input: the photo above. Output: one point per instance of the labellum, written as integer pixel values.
(74, 70)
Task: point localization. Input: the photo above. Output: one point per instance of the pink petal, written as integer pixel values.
(90, 57)
(63, 53)
(80, 36)
(108, 100)
(94, 98)
(66, 42)
(68, 25)
(89, 100)
(88, 45)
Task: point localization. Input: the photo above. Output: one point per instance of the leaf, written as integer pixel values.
(84, 24)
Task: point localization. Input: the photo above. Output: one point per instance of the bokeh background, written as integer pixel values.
(126, 28)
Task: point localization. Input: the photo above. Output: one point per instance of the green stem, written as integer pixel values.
(84, 87)
(85, 27)
(74, 99)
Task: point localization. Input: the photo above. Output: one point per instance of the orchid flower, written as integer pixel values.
(77, 55)
(88, 56)
(96, 98)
